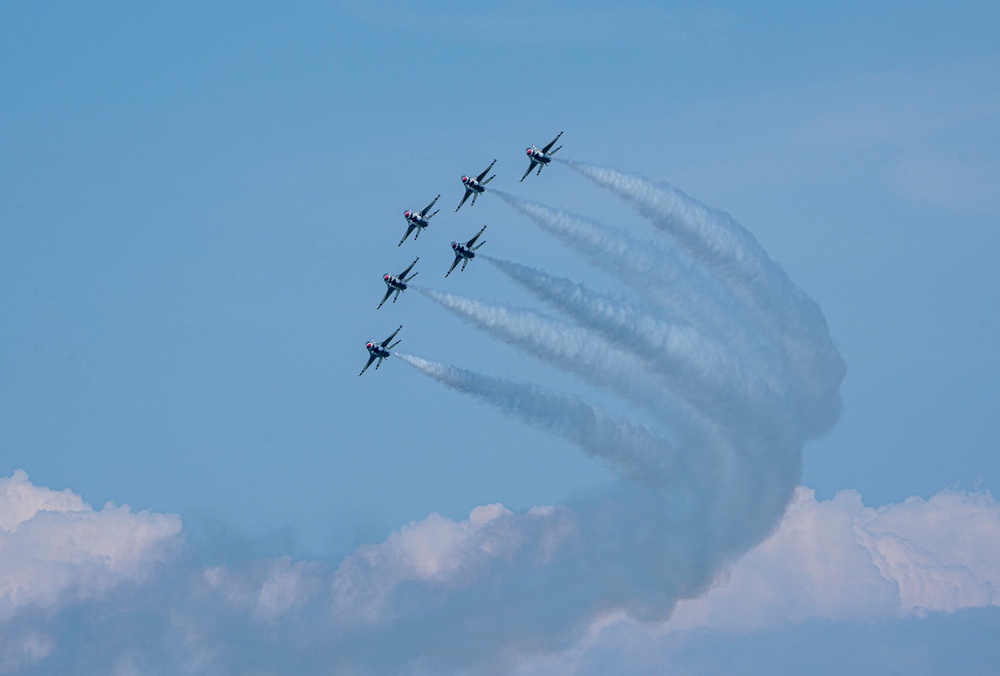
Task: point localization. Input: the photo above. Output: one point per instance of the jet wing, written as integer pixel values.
(429, 207)
(388, 292)
(475, 237)
(371, 358)
(530, 167)
(452, 268)
(551, 143)
(402, 275)
(486, 171)
(409, 229)
(386, 341)
(464, 197)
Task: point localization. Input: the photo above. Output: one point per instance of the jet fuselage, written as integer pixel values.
(394, 282)
(462, 250)
(377, 350)
(536, 155)
(415, 218)
(473, 184)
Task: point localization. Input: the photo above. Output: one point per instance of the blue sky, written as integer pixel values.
(197, 205)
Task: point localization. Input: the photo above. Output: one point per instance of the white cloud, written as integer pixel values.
(830, 560)
(442, 553)
(267, 589)
(827, 560)
(54, 547)
(837, 559)
(20, 501)
(944, 553)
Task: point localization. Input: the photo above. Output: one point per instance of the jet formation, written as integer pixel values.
(417, 221)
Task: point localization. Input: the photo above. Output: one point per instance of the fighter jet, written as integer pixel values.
(397, 283)
(417, 220)
(380, 351)
(465, 252)
(541, 157)
(475, 186)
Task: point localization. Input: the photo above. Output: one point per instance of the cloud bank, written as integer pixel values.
(56, 550)
(829, 561)
(147, 609)
(837, 559)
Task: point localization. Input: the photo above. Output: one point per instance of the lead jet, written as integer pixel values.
(541, 157)
(380, 351)
(417, 220)
(475, 186)
(465, 252)
(397, 283)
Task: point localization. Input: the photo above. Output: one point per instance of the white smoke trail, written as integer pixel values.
(634, 450)
(725, 333)
(676, 283)
(696, 367)
(571, 348)
(667, 376)
(662, 275)
(736, 257)
(641, 549)
(712, 235)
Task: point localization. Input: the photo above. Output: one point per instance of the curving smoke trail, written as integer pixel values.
(711, 235)
(661, 274)
(743, 295)
(593, 360)
(701, 369)
(729, 250)
(572, 348)
(723, 343)
(639, 546)
(634, 450)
